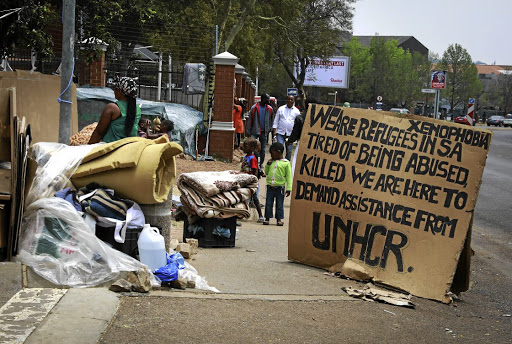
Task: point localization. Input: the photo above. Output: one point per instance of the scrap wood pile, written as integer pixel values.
(216, 194)
(15, 138)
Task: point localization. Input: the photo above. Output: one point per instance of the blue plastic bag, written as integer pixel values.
(222, 232)
(169, 272)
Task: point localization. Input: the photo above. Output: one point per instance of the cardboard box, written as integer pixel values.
(385, 197)
(36, 100)
(5, 120)
(4, 223)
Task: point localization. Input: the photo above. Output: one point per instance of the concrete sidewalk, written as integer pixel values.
(256, 268)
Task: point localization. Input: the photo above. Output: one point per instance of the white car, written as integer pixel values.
(399, 110)
(507, 122)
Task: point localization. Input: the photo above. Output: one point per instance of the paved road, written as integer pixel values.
(493, 209)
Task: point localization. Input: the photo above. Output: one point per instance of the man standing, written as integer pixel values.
(259, 123)
(283, 124)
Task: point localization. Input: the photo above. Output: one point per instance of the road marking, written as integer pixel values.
(25, 311)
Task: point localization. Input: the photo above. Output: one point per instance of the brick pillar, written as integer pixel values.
(96, 71)
(222, 131)
(252, 92)
(244, 85)
(239, 70)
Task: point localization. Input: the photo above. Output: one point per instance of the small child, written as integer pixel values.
(279, 182)
(250, 166)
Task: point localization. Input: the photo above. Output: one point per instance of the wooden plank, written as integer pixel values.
(14, 171)
(14, 178)
(22, 174)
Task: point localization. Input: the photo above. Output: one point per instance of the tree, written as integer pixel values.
(505, 87)
(360, 68)
(385, 69)
(307, 29)
(462, 75)
(23, 25)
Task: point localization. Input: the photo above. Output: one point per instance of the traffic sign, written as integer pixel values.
(292, 92)
(428, 90)
(379, 98)
(438, 79)
(471, 111)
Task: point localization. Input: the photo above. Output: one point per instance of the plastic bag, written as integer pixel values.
(222, 232)
(55, 240)
(58, 244)
(169, 272)
(191, 274)
(56, 164)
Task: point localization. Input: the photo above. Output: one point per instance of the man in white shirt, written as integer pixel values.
(283, 124)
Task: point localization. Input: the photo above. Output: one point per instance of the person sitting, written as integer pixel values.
(166, 127)
(145, 130)
(119, 120)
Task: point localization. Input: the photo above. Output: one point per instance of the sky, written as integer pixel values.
(481, 27)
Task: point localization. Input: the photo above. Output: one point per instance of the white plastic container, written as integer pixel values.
(151, 248)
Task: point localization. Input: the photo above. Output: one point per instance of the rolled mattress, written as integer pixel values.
(148, 182)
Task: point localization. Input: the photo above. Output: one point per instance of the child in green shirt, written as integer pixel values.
(279, 183)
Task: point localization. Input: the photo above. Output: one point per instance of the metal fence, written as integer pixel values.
(158, 81)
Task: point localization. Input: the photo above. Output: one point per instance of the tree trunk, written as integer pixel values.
(240, 24)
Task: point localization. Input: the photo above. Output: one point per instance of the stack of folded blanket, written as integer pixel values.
(217, 194)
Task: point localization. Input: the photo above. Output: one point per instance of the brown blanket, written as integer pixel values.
(210, 183)
(233, 201)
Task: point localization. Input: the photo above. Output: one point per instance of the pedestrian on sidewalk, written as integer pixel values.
(259, 124)
(297, 130)
(283, 124)
(250, 166)
(279, 183)
(238, 123)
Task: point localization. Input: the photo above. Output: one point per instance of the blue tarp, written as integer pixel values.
(184, 117)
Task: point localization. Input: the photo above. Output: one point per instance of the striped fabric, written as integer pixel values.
(103, 204)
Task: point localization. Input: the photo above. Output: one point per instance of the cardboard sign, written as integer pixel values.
(36, 96)
(385, 197)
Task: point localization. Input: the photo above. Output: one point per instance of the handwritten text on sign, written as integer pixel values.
(377, 185)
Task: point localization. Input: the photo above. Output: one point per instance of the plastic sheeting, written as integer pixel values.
(194, 78)
(184, 117)
(55, 240)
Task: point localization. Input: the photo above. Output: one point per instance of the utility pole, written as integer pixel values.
(66, 75)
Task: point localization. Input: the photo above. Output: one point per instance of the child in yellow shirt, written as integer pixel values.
(279, 183)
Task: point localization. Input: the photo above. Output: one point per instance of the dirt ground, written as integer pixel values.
(185, 164)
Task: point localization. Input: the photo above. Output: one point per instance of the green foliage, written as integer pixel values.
(385, 69)
(307, 29)
(25, 28)
(462, 75)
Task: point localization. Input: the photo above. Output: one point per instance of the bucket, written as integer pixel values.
(152, 248)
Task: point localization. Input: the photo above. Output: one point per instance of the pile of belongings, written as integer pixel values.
(216, 194)
(138, 169)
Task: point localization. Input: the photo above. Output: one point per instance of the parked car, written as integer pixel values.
(495, 120)
(462, 120)
(507, 122)
(399, 110)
